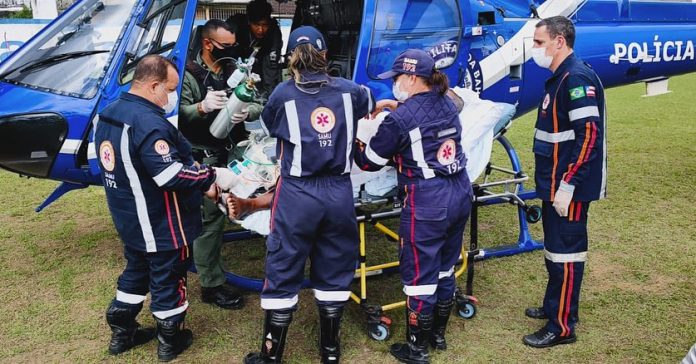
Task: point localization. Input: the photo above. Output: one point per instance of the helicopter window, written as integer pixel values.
(431, 25)
(486, 18)
(158, 35)
(71, 56)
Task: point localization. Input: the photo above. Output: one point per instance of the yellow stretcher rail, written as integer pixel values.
(364, 269)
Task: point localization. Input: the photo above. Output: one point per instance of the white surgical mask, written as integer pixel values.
(540, 57)
(172, 100)
(398, 94)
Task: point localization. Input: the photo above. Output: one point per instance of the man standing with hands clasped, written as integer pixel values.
(571, 171)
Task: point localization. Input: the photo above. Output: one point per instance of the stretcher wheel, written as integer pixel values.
(466, 310)
(533, 214)
(378, 332)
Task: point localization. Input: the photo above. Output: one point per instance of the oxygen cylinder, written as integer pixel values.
(237, 77)
(240, 98)
(243, 70)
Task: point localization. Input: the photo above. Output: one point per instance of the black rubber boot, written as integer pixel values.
(173, 339)
(329, 331)
(443, 309)
(415, 350)
(275, 330)
(125, 331)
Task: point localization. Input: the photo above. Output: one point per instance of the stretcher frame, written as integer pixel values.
(378, 324)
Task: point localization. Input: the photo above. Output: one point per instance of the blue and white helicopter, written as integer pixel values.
(53, 87)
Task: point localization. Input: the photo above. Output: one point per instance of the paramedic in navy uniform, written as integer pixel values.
(421, 138)
(154, 190)
(571, 169)
(314, 116)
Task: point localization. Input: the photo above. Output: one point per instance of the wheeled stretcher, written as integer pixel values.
(375, 202)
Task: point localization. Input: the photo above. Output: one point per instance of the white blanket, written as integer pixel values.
(478, 118)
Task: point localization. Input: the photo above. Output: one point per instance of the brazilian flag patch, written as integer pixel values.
(577, 93)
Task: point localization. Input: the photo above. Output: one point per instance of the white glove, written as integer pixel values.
(562, 199)
(239, 117)
(224, 178)
(214, 100)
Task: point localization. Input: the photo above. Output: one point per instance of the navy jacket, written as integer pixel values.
(152, 186)
(570, 139)
(421, 138)
(316, 130)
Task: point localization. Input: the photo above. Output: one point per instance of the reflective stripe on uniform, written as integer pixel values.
(374, 157)
(566, 258)
(139, 197)
(263, 127)
(446, 274)
(295, 138)
(563, 136)
(348, 107)
(133, 299)
(331, 296)
(424, 290)
(370, 99)
(417, 152)
(278, 303)
(167, 174)
(583, 112)
(163, 315)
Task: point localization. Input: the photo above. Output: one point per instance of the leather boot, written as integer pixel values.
(173, 339)
(415, 350)
(329, 331)
(275, 330)
(125, 331)
(443, 309)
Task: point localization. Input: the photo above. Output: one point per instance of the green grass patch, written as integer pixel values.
(638, 303)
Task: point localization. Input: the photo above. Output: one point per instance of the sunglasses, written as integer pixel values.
(221, 45)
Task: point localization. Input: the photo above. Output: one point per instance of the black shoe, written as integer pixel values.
(256, 358)
(173, 339)
(535, 313)
(223, 297)
(125, 331)
(545, 339)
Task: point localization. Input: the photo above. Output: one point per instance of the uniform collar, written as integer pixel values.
(314, 76)
(562, 67)
(143, 101)
(199, 60)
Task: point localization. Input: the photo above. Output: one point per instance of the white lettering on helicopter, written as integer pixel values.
(669, 51)
(444, 54)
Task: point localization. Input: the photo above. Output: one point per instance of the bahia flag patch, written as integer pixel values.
(577, 93)
(590, 91)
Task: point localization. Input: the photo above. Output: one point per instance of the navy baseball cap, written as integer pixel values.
(306, 35)
(411, 62)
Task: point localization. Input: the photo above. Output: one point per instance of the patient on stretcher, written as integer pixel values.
(482, 121)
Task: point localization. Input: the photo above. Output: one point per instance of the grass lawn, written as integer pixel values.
(638, 302)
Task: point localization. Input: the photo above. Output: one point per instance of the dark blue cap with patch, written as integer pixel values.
(306, 35)
(411, 62)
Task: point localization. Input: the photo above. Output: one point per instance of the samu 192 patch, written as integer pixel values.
(577, 93)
